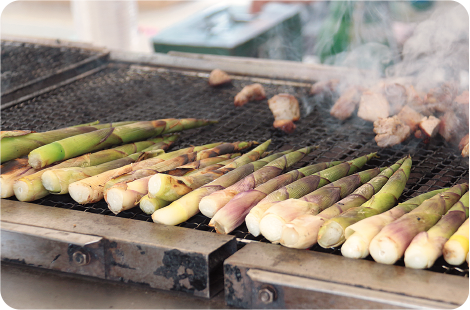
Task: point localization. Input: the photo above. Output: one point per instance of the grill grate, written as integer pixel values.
(121, 92)
(25, 62)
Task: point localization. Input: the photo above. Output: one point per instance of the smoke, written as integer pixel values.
(437, 51)
(371, 57)
(427, 73)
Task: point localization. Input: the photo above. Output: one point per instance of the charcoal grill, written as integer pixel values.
(56, 233)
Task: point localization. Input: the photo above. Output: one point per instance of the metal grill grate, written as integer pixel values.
(24, 62)
(123, 92)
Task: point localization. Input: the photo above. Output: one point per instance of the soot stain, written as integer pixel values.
(55, 258)
(16, 261)
(233, 270)
(142, 252)
(195, 270)
(230, 293)
(125, 266)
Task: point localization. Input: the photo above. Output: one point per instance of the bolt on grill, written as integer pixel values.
(129, 92)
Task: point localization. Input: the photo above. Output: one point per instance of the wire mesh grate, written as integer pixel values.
(24, 62)
(122, 92)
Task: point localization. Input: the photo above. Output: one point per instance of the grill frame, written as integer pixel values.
(282, 76)
(320, 281)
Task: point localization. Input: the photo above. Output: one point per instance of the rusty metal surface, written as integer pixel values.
(317, 275)
(159, 256)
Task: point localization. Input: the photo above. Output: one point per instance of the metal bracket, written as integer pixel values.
(53, 249)
(299, 292)
(261, 276)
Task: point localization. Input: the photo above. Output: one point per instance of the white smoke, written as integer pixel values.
(437, 51)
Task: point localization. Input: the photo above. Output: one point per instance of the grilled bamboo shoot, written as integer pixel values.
(187, 206)
(427, 246)
(302, 232)
(103, 138)
(17, 145)
(359, 235)
(391, 242)
(11, 171)
(310, 183)
(209, 205)
(171, 188)
(90, 190)
(285, 211)
(332, 234)
(251, 198)
(150, 205)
